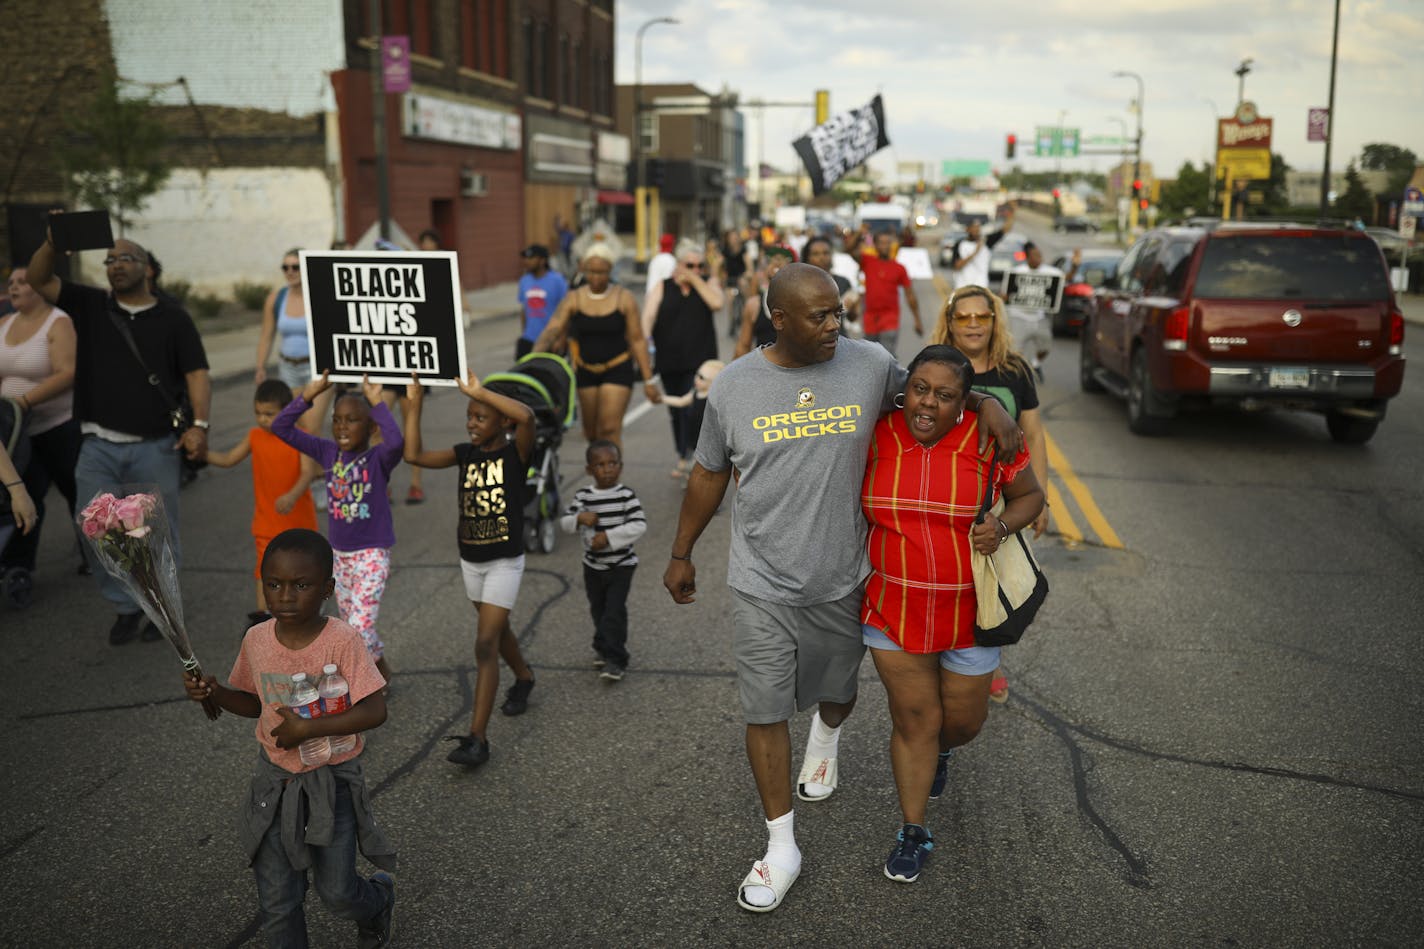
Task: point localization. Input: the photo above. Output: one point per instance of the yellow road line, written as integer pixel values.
(1067, 527)
(942, 286)
(1082, 495)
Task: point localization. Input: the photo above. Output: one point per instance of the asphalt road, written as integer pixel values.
(1212, 735)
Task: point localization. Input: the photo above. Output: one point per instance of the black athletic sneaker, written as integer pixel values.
(912, 849)
(125, 628)
(516, 700)
(470, 752)
(613, 672)
(941, 774)
(377, 932)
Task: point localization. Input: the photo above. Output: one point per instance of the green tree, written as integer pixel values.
(115, 153)
(1189, 194)
(1356, 202)
(1399, 162)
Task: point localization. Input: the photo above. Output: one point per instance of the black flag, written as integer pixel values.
(844, 141)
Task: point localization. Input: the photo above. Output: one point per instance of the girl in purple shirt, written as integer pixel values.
(358, 507)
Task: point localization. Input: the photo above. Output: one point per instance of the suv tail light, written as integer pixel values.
(1396, 332)
(1174, 331)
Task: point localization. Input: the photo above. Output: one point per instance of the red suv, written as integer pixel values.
(1283, 315)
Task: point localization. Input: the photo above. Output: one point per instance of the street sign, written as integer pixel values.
(1317, 125)
(1413, 202)
(1056, 141)
(1104, 140)
(1243, 164)
(963, 168)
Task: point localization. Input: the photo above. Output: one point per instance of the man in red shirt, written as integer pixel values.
(884, 277)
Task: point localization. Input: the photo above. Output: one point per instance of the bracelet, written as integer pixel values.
(1005, 528)
(11, 484)
(654, 379)
(676, 557)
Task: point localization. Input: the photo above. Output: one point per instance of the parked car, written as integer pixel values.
(1007, 255)
(1098, 266)
(1074, 222)
(947, 243)
(1279, 315)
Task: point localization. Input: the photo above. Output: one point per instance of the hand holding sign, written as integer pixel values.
(371, 390)
(414, 391)
(470, 385)
(316, 387)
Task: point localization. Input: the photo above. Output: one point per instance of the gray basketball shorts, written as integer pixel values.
(793, 657)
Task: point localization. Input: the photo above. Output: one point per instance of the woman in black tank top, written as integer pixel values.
(677, 314)
(605, 339)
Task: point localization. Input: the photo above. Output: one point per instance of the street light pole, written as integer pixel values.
(1121, 160)
(1058, 152)
(1241, 73)
(1211, 162)
(1137, 156)
(640, 199)
(378, 122)
(1330, 117)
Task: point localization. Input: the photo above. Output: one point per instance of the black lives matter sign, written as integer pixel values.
(1033, 291)
(847, 139)
(384, 315)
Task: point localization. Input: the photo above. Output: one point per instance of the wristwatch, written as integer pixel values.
(202, 423)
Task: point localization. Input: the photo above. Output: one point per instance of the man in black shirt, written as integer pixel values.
(124, 412)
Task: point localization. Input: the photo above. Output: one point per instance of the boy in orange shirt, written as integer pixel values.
(280, 478)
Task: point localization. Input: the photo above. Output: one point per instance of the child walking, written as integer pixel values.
(299, 816)
(357, 506)
(491, 486)
(280, 476)
(610, 517)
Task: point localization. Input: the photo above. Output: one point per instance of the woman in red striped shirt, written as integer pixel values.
(924, 482)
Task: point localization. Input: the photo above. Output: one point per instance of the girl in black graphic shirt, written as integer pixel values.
(491, 534)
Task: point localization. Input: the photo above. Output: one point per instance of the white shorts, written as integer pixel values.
(495, 582)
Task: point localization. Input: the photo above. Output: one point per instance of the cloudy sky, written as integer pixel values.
(958, 76)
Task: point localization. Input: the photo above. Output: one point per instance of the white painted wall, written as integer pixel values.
(234, 224)
(264, 54)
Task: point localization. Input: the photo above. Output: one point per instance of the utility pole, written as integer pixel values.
(1330, 117)
(1137, 155)
(640, 197)
(378, 121)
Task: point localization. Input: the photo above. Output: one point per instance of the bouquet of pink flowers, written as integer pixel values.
(130, 537)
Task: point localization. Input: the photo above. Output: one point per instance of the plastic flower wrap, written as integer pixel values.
(130, 537)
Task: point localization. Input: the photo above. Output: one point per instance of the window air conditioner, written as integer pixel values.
(473, 184)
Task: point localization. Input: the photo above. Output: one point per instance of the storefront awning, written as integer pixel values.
(614, 197)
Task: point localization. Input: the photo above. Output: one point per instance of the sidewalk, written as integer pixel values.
(1412, 306)
(231, 354)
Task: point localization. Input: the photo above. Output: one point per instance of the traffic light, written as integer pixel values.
(657, 171)
(1137, 187)
(1011, 145)
(1057, 194)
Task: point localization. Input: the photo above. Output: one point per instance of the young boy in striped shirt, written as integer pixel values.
(610, 518)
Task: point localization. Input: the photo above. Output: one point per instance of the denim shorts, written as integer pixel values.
(969, 661)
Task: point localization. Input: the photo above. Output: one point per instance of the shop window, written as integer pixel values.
(484, 36)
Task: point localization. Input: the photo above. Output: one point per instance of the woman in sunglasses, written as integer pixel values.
(284, 317)
(974, 322)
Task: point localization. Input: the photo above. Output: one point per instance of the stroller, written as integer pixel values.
(16, 583)
(545, 383)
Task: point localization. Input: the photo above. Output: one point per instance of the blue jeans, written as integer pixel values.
(281, 890)
(109, 466)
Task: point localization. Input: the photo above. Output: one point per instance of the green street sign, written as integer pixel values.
(1051, 141)
(1104, 140)
(963, 168)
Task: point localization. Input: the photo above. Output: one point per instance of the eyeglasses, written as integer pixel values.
(121, 259)
(967, 317)
(291, 268)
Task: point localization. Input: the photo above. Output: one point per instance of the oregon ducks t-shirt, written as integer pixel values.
(798, 440)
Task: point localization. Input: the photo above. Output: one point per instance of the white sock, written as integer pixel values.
(822, 742)
(781, 852)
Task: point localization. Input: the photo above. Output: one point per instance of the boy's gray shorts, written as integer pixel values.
(792, 657)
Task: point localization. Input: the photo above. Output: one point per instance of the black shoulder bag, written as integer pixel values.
(180, 410)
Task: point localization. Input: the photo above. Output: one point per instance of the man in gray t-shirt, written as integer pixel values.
(794, 420)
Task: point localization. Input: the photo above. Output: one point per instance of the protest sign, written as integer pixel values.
(384, 315)
(847, 139)
(916, 261)
(1033, 291)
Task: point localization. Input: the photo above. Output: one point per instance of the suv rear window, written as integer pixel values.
(1274, 267)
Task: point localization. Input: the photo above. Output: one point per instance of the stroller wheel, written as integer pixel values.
(531, 537)
(547, 537)
(19, 587)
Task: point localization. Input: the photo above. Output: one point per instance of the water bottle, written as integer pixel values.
(306, 702)
(335, 699)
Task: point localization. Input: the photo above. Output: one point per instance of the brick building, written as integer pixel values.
(272, 139)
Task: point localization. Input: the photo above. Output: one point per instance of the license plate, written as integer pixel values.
(1290, 378)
